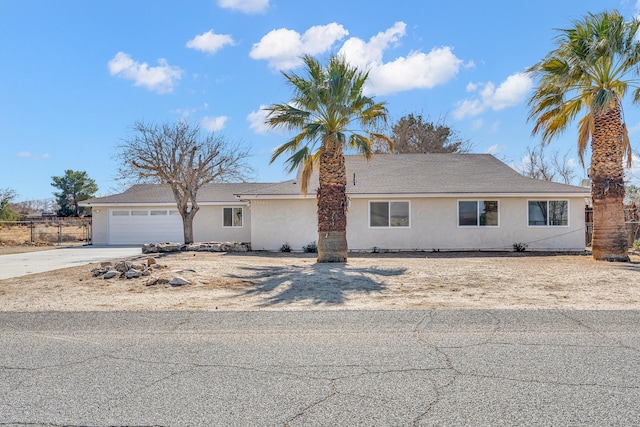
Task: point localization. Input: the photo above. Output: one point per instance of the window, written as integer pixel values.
(232, 217)
(156, 213)
(548, 213)
(389, 214)
(120, 213)
(478, 213)
(139, 213)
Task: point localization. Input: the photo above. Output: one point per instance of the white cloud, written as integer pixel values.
(283, 47)
(477, 124)
(246, 6)
(418, 70)
(160, 79)
(256, 120)
(29, 155)
(365, 54)
(468, 107)
(511, 92)
(494, 149)
(214, 124)
(210, 42)
(633, 173)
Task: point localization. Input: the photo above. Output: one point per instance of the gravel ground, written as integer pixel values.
(278, 281)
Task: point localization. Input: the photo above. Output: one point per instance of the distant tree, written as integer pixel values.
(538, 166)
(29, 206)
(6, 213)
(74, 186)
(178, 155)
(632, 194)
(414, 134)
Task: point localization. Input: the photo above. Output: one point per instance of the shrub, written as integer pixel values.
(636, 244)
(520, 247)
(285, 248)
(310, 248)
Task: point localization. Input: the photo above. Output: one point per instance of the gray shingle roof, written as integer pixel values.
(396, 174)
(385, 174)
(161, 193)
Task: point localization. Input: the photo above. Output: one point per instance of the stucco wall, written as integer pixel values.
(207, 226)
(276, 222)
(99, 225)
(434, 225)
(268, 224)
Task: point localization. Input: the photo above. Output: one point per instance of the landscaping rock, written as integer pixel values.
(123, 266)
(98, 271)
(133, 273)
(179, 281)
(150, 248)
(110, 274)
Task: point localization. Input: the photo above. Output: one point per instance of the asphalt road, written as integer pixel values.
(323, 368)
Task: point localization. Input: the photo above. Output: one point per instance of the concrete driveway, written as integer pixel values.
(15, 265)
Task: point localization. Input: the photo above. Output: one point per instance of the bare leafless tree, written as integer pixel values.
(7, 194)
(560, 163)
(537, 165)
(181, 156)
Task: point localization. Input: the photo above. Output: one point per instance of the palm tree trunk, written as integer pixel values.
(607, 187)
(332, 203)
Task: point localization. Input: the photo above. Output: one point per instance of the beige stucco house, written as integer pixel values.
(396, 202)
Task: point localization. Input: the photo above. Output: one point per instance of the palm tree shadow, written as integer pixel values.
(317, 284)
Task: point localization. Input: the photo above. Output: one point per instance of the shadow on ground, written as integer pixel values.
(318, 284)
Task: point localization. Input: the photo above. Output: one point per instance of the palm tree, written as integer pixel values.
(593, 66)
(331, 114)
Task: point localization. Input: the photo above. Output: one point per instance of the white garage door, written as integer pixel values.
(138, 226)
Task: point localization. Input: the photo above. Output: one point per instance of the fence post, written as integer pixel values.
(59, 233)
(31, 227)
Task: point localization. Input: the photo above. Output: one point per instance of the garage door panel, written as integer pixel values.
(138, 226)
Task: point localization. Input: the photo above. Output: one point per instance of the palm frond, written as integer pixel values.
(626, 145)
(585, 130)
(326, 102)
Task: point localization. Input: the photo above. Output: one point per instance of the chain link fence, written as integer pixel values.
(46, 231)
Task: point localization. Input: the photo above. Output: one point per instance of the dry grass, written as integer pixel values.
(46, 233)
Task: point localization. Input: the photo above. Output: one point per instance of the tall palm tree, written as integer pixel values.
(590, 71)
(331, 114)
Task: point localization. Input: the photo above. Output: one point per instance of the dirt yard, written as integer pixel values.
(278, 281)
(44, 233)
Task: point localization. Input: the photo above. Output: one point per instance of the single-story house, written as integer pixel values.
(396, 202)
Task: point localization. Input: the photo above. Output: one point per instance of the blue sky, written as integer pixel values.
(77, 74)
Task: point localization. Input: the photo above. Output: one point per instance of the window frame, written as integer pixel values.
(389, 225)
(548, 216)
(477, 224)
(233, 209)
